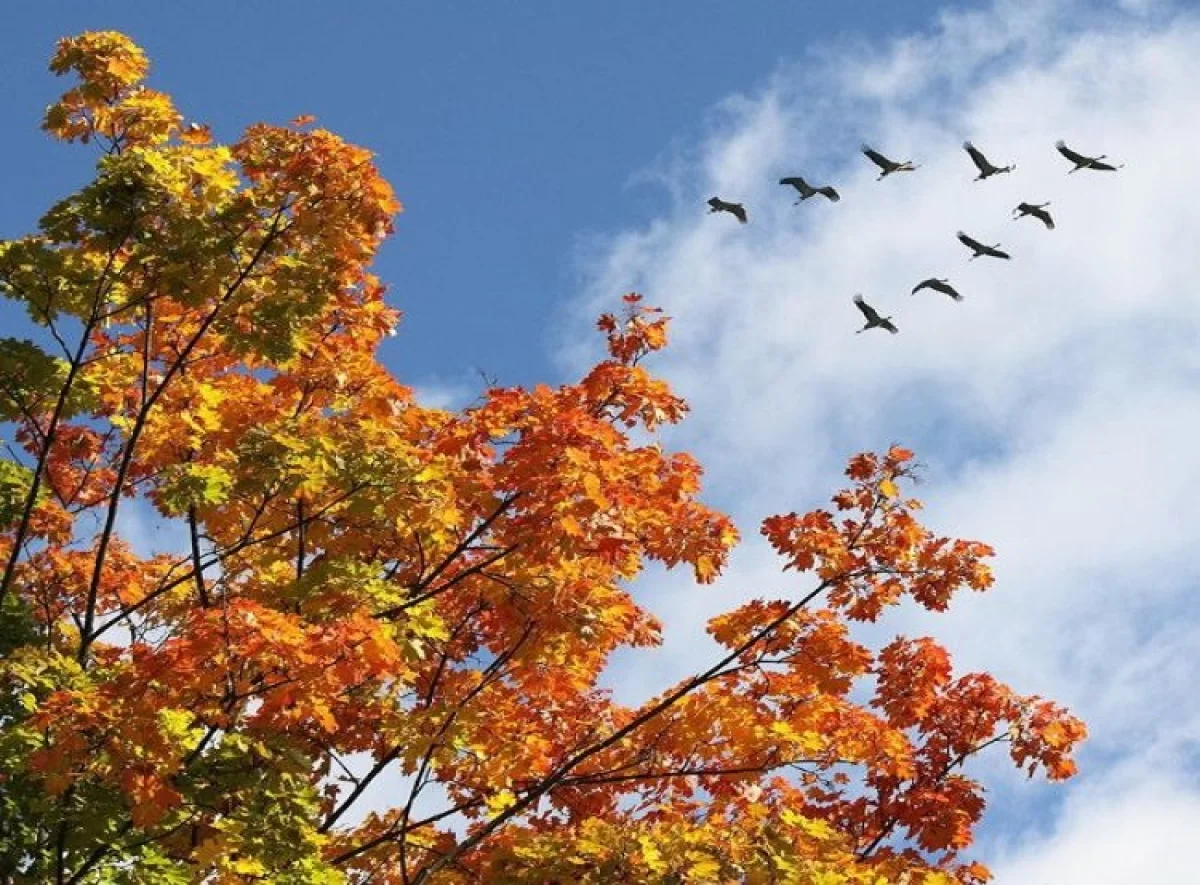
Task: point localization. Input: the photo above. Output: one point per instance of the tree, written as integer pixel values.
(433, 592)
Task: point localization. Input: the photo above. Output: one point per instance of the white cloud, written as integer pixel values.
(441, 393)
(1057, 407)
(1111, 835)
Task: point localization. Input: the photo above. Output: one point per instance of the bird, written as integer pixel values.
(982, 163)
(806, 190)
(1037, 210)
(1082, 162)
(979, 249)
(938, 286)
(874, 320)
(888, 166)
(735, 209)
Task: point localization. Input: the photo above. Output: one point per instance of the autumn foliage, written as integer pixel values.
(376, 654)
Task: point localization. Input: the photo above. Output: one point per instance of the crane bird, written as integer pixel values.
(982, 163)
(737, 210)
(806, 190)
(874, 320)
(979, 249)
(887, 166)
(1037, 210)
(937, 285)
(1082, 162)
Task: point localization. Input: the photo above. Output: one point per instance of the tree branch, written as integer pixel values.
(60, 406)
(86, 636)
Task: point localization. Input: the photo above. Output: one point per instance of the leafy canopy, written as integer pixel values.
(371, 587)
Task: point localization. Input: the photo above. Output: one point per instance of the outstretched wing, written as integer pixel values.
(829, 192)
(867, 310)
(924, 284)
(738, 211)
(1101, 166)
(1042, 215)
(877, 158)
(946, 289)
(1071, 155)
(977, 157)
(890, 326)
(995, 253)
(970, 242)
(795, 181)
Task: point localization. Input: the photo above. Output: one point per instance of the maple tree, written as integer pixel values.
(370, 586)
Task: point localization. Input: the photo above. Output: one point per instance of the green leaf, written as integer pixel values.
(189, 485)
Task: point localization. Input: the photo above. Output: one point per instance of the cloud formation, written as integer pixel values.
(1056, 407)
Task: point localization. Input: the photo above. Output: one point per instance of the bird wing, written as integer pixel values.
(715, 202)
(1071, 155)
(924, 284)
(977, 157)
(969, 241)
(996, 253)
(1043, 216)
(877, 158)
(739, 212)
(867, 310)
(795, 181)
(890, 326)
(828, 191)
(1102, 166)
(947, 289)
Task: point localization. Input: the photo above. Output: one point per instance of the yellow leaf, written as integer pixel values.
(888, 488)
(591, 847)
(500, 802)
(652, 856)
(704, 870)
(249, 866)
(591, 486)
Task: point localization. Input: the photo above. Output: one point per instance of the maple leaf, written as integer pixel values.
(196, 134)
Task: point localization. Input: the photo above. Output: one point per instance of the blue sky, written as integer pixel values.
(553, 156)
(510, 130)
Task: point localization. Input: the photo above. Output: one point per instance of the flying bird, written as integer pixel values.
(985, 167)
(1082, 162)
(806, 190)
(1037, 210)
(937, 285)
(979, 249)
(874, 320)
(735, 209)
(887, 166)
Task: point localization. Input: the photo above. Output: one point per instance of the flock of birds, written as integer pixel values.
(888, 167)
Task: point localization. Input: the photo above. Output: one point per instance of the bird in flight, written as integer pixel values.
(985, 167)
(874, 320)
(980, 249)
(937, 285)
(735, 209)
(886, 166)
(1037, 210)
(1082, 162)
(806, 190)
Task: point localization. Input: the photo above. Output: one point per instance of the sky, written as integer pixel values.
(511, 131)
(554, 156)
